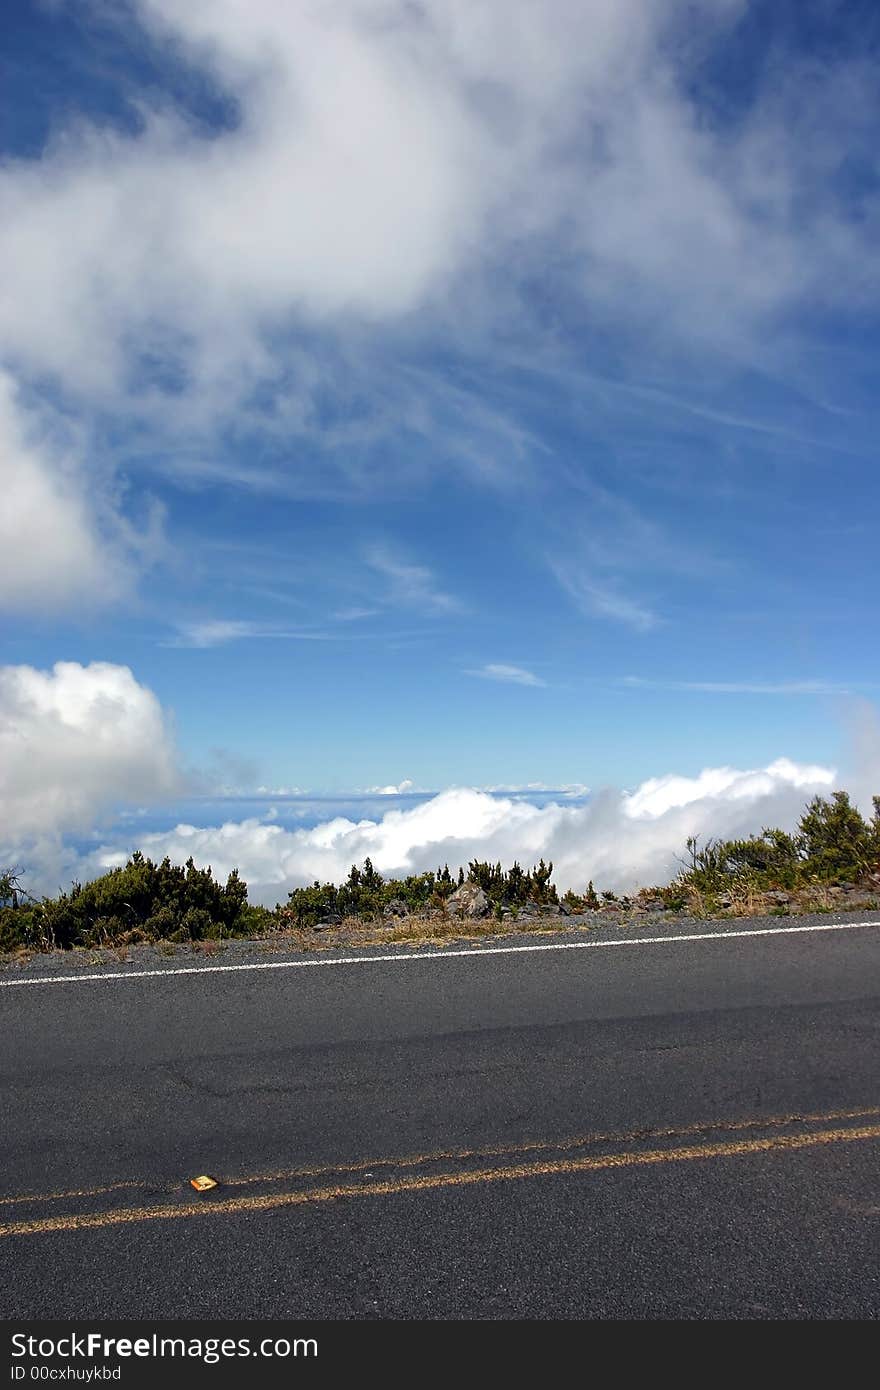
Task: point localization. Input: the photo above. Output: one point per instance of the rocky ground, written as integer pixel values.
(469, 904)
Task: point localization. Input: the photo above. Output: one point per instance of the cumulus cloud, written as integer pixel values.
(398, 789)
(620, 840)
(73, 742)
(661, 794)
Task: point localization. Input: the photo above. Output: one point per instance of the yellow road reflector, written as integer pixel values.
(203, 1183)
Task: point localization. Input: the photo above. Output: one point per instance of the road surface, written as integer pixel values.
(639, 1128)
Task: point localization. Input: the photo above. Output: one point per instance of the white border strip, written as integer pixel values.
(474, 953)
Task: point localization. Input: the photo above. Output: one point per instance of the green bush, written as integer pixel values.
(836, 841)
(365, 893)
(139, 901)
(833, 842)
(513, 887)
(16, 928)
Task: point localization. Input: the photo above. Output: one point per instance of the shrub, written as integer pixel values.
(140, 900)
(836, 840)
(514, 887)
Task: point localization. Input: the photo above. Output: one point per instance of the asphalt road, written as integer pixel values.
(678, 1129)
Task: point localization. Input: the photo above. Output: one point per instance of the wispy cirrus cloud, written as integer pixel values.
(510, 675)
(604, 599)
(610, 549)
(607, 603)
(808, 687)
(217, 632)
(354, 614)
(409, 585)
(418, 169)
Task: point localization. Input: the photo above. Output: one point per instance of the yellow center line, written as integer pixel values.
(458, 1155)
(555, 1145)
(73, 1192)
(776, 1143)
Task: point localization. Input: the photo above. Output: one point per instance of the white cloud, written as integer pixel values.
(396, 165)
(398, 789)
(62, 541)
(387, 155)
(74, 741)
(411, 586)
(661, 794)
(513, 675)
(213, 632)
(354, 614)
(742, 687)
(600, 600)
(356, 156)
(217, 632)
(620, 840)
(862, 721)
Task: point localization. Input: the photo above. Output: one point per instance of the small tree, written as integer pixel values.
(837, 841)
(370, 877)
(543, 890)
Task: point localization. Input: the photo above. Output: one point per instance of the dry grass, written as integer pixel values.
(427, 930)
(816, 898)
(696, 903)
(745, 901)
(209, 946)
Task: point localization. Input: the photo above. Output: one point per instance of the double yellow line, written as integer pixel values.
(571, 1164)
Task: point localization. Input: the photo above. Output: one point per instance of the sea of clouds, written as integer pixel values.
(78, 742)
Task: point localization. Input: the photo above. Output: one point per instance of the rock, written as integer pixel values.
(469, 901)
(330, 920)
(395, 908)
(653, 905)
(776, 895)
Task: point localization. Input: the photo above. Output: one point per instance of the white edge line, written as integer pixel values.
(473, 953)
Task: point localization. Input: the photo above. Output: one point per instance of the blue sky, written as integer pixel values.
(467, 394)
